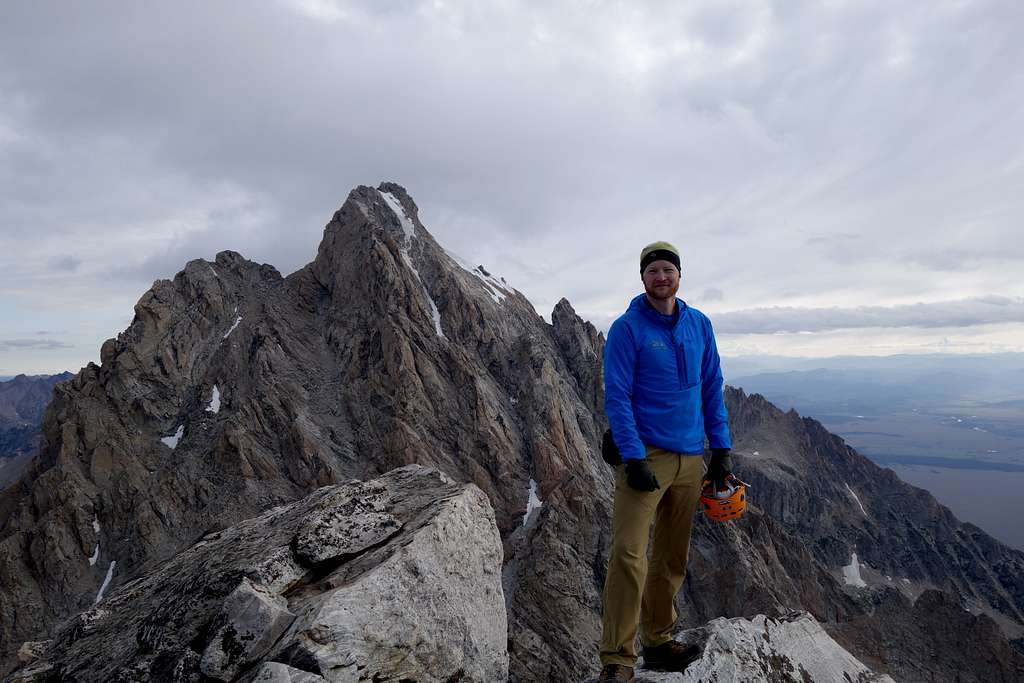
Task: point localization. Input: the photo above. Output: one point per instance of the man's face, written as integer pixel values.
(661, 280)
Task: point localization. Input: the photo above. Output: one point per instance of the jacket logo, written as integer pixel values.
(658, 344)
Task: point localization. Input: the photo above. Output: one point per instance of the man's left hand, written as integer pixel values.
(720, 467)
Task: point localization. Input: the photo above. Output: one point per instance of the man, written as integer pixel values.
(663, 395)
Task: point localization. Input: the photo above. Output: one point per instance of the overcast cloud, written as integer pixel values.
(820, 165)
(44, 344)
(963, 313)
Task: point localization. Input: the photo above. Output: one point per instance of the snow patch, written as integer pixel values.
(214, 272)
(106, 581)
(410, 232)
(238, 319)
(172, 441)
(533, 502)
(979, 429)
(905, 580)
(756, 453)
(434, 313)
(95, 553)
(495, 288)
(403, 218)
(491, 285)
(857, 499)
(851, 573)
(214, 406)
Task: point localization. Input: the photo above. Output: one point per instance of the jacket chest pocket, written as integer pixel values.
(655, 364)
(691, 352)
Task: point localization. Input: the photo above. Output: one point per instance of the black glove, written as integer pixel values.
(640, 477)
(609, 451)
(720, 467)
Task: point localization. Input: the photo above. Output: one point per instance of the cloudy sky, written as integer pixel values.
(841, 177)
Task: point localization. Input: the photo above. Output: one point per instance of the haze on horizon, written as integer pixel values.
(841, 178)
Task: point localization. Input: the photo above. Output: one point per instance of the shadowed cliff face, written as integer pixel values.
(236, 389)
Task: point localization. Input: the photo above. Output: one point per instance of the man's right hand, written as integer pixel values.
(640, 477)
(719, 468)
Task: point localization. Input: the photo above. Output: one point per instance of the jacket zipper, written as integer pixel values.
(681, 365)
(680, 359)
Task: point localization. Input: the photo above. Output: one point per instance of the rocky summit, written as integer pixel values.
(331, 587)
(236, 391)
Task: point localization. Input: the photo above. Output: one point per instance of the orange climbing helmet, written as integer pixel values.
(726, 504)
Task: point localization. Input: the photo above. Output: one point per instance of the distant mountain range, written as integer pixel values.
(965, 408)
(881, 383)
(23, 400)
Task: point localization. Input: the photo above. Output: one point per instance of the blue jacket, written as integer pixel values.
(663, 382)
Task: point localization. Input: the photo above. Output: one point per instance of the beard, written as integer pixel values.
(662, 293)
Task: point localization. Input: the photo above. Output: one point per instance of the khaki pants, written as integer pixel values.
(635, 593)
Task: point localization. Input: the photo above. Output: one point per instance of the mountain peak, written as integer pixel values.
(385, 208)
(401, 194)
(370, 222)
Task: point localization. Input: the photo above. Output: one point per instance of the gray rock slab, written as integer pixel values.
(433, 611)
(251, 622)
(274, 672)
(763, 649)
(31, 650)
(422, 602)
(347, 530)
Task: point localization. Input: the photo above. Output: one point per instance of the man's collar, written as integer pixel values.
(665, 317)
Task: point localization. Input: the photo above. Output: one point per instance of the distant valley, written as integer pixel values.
(953, 425)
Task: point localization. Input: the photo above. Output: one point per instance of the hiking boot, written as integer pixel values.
(670, 656)
(615, 672)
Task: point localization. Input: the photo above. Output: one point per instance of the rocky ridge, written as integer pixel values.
(235, 390)
(328, 588)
